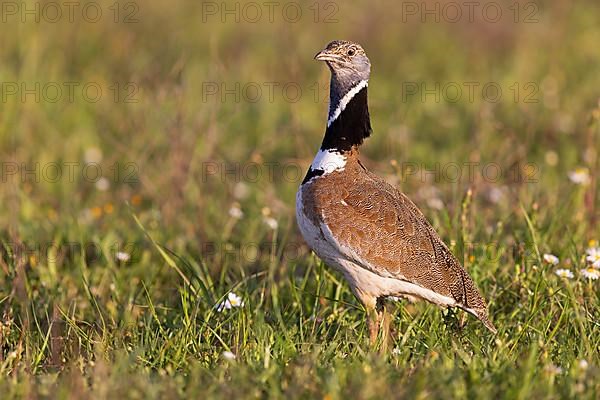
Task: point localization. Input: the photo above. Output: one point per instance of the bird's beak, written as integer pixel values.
(326, 56)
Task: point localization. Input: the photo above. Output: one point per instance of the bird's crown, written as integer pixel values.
(341, 50)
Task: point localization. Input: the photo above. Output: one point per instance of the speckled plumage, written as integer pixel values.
(379, 229)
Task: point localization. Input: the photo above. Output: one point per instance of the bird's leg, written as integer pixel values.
(386, 321)
(379, 324)
(373, 316)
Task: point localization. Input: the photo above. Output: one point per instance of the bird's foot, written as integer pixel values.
(380, 326)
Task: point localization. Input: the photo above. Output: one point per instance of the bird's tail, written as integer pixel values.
(482, 315)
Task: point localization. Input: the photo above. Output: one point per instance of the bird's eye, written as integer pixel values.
(351, 52)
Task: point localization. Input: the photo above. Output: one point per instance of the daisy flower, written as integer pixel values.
(268, 219)
(590, 273)
(102, 184)
(551, 259)
(593, 256)
(232, 300)
(564, 273)
(122, 256)
(580, 176)
(236, 212)
(271, 223)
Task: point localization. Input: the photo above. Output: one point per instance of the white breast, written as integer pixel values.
(328, 161)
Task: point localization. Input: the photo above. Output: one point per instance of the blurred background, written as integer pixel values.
(182, 108)
(128, 127)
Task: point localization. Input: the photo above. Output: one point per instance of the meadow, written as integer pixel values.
(150, 155)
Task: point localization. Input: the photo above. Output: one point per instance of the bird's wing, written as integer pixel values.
(382, 230)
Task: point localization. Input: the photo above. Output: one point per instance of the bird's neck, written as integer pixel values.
(348, 123)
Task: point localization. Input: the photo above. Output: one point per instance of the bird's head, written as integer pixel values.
(347, 61)
(348, 122)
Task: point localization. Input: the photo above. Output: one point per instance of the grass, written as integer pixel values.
(82, 320)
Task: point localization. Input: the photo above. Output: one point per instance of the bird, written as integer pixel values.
(364, 227)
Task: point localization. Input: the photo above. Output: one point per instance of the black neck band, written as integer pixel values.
(351, 127)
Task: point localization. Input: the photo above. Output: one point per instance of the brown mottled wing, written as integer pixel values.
(392, 237)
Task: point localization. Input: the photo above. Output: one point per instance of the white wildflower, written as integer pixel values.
(551, 259)
(592, 250)
(228, 356)
(232, 300)
(580, 176)
(102, 184)
(122, 256)
(564, 273)
(497, 194)
(593, 256)
(271, 222)
(590, 273)
(236, 212)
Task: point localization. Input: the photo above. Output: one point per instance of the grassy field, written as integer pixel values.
(150, 156)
